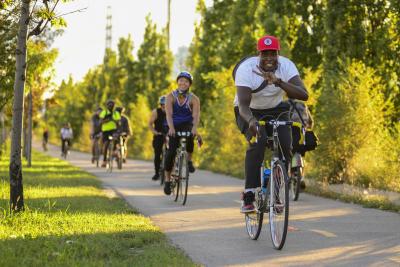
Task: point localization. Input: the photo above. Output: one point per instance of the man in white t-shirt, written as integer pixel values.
(261, 83)
(66, 136)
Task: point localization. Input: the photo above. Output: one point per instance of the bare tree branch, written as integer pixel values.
(78, 10)
(33, 8)
(39, 29)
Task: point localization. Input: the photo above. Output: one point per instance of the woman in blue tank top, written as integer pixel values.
(182, 114)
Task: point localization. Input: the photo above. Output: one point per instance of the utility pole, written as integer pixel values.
(168, 22)
(109, 29)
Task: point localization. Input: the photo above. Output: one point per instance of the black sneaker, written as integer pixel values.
(248, 202)
(167, 188)
(191, 167)
(155, 177)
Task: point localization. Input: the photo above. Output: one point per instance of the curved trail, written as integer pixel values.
(211, 230)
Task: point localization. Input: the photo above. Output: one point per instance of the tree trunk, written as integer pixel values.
(16, 188)
(29, 131)
(2, 133)
(168, 22)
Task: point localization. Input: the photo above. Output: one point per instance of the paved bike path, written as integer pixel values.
(211, 230)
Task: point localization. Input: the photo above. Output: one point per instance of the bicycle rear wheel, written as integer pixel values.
(184, 178)
(119, 158)
(96, 152)
(254, 220)
(294, 183)
(279, 205)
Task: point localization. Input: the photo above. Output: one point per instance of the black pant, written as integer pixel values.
(158, 141)
(63, 141)
(173, 144)
(255, 152)
(106, 142)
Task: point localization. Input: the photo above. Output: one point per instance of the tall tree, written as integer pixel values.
(44, 14)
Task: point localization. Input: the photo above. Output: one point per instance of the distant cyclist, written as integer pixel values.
(66, 136)
(45, 139)
(124, 130)
(95, 130)
(306, 120)
(109, 124)
(182, 114)
(157, 127)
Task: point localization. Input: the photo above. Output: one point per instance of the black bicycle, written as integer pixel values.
(296, 168)
(110, 154)
(162, 165)
(180, 172)
(273, 196)
(65, 151)
(97, 149)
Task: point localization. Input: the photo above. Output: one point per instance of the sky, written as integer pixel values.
(83, 43)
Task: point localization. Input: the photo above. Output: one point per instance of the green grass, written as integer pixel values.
(376, 202)
(70, 221)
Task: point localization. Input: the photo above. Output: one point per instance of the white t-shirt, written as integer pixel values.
(66, 133)
(270, 96)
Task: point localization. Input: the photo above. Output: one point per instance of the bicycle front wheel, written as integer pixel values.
(161, 170)
(110, 157)
(279, 205)
(184, 178)
(119, 159)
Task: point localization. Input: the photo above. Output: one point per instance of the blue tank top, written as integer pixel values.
(181, 113)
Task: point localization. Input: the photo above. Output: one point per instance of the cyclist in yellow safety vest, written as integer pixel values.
(109, 124)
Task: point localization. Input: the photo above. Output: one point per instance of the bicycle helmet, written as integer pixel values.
(186, 75)
(162, 100)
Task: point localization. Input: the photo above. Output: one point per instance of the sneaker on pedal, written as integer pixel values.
(247, 202)
(92, 160)
(155, 177)
(191, 167)
(278, 208)
(104, 164)
(167, 188)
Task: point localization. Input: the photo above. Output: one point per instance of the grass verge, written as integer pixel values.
(376, 202)
(70, 221)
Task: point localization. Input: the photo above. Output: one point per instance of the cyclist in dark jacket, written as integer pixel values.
(124, 129)
(157, 126)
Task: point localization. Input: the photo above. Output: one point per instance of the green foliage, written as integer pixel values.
(154, 76)
(224, 145)
(351, 124)
(140, 143)
(70, 221)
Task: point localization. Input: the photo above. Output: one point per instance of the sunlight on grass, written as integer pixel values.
(69, 221)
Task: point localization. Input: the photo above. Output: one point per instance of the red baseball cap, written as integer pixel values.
(268, 42)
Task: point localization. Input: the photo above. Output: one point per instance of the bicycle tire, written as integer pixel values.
(96, 153)
(110, 157)
(162, 170)
(184, 177)
(279, 219)
(294, 183)
(119, 159)
(254, 221)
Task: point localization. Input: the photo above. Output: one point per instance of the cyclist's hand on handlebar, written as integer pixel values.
(254, 130)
